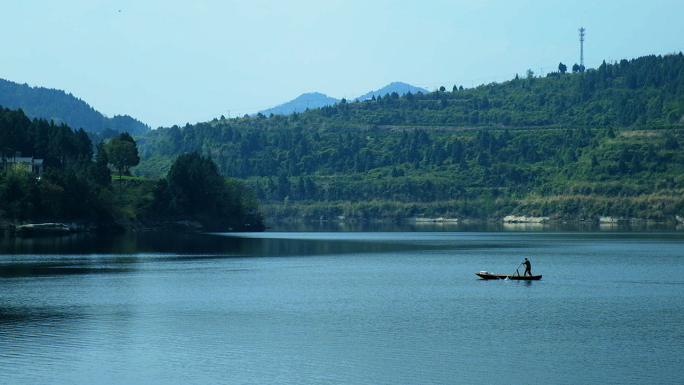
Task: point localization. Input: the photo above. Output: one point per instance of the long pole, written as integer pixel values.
(516, 269)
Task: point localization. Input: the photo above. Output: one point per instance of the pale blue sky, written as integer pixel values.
(171, 62)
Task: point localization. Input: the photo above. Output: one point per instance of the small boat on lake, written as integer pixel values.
(517, 276)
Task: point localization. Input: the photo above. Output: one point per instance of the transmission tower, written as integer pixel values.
(581, 35)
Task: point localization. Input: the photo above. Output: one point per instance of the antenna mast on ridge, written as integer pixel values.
(581, 35)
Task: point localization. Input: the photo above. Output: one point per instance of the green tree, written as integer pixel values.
(484, 104)
(562, 68)
(122, 152)
(193, 187)
(100, 171)
(594, 161)
(17, 192)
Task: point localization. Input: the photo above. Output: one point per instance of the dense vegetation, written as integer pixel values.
(77, 184)
(603, 142)
(193, 188)
(69, 189)
(56, 105)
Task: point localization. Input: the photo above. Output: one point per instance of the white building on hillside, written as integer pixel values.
(35, 166)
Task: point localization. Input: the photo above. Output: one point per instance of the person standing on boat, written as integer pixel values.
(528, 267)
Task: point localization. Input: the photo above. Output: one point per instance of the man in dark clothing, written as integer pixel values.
(528, 267)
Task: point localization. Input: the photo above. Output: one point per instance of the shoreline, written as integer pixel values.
(65, 228)
(28, 230)
(505, 220)
(467, 224)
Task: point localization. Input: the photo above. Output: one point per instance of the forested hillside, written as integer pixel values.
(70, 189)
(76, 186)
(56, 105)
(605, 142)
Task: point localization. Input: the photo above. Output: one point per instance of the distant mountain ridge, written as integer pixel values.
(301, 103)
(57, 105)
(318, 100)
(398, 87)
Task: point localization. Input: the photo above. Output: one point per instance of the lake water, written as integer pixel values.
(387, 307)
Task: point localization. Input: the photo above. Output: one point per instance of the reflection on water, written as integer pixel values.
(189, 243)
(129, 243)
(322, 307)
(61, 267)
(98, 254)
(227, 245)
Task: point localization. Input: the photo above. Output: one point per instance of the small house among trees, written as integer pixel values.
(35, 166)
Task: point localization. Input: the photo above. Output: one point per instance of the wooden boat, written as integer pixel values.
(517, 277)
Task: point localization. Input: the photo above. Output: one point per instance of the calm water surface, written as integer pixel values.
(343, 308)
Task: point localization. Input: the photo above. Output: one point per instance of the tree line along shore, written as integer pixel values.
(54, 176)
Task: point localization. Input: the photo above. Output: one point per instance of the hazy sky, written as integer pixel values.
(169, 62)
